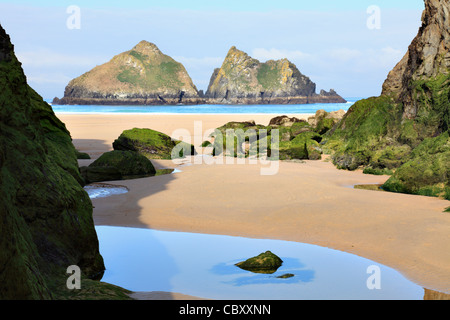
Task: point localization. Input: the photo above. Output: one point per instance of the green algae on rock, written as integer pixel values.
(128, 163)
(45, 215)
(266, 262)
(405, 130)
(153, 144)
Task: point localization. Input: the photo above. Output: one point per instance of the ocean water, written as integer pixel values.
(202, 265)
(102, 190)
(208, 109)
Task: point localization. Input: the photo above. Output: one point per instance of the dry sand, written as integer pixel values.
(309, 202)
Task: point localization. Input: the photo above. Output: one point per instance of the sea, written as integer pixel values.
(206, 109)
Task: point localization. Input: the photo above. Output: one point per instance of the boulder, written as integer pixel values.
(153, 144)
(100, 174)
(128, 163)
(266, 262)
(284, 121)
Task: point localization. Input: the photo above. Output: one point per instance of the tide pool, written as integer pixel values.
(143, 260)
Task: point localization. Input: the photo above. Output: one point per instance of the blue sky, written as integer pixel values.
(328, 41)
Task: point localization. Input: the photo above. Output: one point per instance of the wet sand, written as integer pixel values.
(308, 201)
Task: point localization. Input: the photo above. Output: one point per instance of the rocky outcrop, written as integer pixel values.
(141, 76)
(425, 68)
(406, 128)
(283, 139)
(45, 215)
(324, 121)
(245, 80)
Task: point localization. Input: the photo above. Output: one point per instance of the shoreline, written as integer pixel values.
(305, 202)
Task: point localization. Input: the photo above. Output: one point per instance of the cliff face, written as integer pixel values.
(407, 128)
(424, 71)
(143, 75)
(46, 220)
(245, 80)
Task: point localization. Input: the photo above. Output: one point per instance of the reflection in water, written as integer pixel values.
(293, 267)
(102, 190)
(201, 265)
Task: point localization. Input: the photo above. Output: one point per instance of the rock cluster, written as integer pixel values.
(284, 138)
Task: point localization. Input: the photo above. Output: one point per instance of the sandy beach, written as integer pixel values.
(310, 201)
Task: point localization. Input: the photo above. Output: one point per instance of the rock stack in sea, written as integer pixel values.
(146, 76)
(244, 80)
(140, 76)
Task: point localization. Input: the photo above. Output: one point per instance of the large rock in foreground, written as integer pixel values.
(244, 80)
(141, 76)
(46, 222)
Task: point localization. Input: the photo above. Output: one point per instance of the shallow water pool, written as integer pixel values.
(202, 265)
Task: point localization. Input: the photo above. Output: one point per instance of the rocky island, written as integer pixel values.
(244, 80)
(146, 76)
(140, 76)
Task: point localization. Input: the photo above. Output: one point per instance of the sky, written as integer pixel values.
(349, 46)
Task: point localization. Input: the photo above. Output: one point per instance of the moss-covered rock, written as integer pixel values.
(296, 141)
(82, 155)
(405, 129)
(100, 174)
(45, 216)
(153, 144)
(377, 172)
(128, 163)
(266, 262)
(427, 172)
(368, 135)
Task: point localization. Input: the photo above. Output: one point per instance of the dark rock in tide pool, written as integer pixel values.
(286, 276)
(266, 262)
